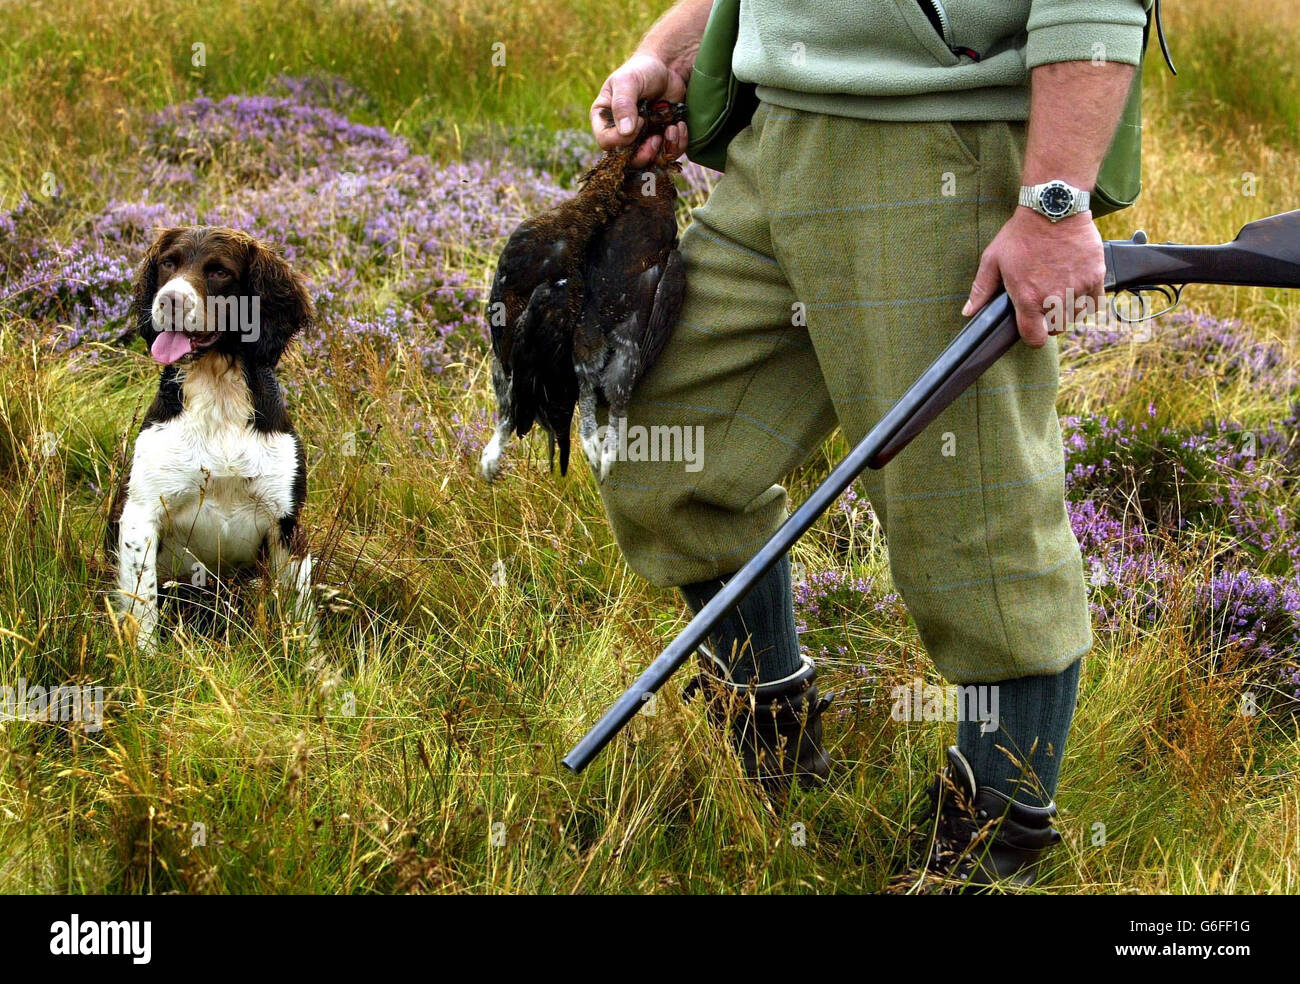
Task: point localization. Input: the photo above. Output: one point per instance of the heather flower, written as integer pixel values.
(364, 217)
(1221, 477)
(321, 90)
(1191, 345)
(819, 596)
(1255, 615)
(1124, 571)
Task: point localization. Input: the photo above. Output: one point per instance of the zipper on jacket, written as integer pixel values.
(938, 17)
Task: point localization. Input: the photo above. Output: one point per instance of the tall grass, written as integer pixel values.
(476, 630)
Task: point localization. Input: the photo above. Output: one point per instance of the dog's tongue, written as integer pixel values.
(170, 346)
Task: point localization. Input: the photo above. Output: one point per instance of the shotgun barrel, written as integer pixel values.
(1266, 253)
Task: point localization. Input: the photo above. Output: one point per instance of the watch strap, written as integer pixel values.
(1029, 198)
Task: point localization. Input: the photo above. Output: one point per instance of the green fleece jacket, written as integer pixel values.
(924, 59)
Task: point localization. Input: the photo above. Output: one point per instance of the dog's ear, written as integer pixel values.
(284, 306)
(146, 284)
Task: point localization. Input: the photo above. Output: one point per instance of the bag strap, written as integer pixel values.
(1160, 34)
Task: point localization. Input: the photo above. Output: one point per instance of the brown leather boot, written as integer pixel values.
(775, 726)
(979, 836)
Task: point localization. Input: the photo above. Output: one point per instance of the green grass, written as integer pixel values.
(420, 752)
(72, 74)
(1236, 74)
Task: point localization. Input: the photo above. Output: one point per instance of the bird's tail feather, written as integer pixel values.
(558, 433)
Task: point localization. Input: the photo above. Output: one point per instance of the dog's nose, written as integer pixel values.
(176, 307)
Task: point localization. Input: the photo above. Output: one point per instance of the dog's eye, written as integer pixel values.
(220, 273)
(167, 263)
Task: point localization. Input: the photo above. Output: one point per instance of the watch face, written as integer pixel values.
(1056, 199)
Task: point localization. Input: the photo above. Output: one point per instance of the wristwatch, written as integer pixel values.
(1055, 199)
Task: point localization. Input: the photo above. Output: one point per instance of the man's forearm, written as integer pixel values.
(1074, 108)
(675, 37)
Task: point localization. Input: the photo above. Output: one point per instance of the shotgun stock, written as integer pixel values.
(1265, 253)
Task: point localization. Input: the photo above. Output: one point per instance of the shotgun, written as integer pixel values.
(1266, 253)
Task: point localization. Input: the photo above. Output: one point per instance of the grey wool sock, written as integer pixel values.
(757, 639)
(1030, 709)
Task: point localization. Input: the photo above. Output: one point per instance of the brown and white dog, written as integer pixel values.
(217, 477)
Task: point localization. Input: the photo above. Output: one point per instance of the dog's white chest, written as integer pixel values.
(220, 528)
(221, 484)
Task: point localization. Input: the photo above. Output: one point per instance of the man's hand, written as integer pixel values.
(1042, 264)
(643, 76)
(1073, 109)
(658, 70)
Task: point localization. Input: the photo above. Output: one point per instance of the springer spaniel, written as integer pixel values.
(217, 477)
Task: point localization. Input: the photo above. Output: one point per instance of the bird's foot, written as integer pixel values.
(489, 463)
(608, 454)
(591, 448)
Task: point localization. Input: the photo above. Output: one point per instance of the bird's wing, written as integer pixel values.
(531, 258)
(623, 367)
(498, 320)
(543, 385)
(511, 286)
(668, 295)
